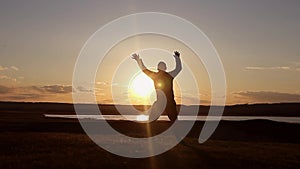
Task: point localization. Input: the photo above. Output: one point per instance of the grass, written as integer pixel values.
(71, 150)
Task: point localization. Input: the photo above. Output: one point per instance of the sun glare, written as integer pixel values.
(142, 118)
(141, 85)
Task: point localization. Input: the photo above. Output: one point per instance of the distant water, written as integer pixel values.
(142, 118)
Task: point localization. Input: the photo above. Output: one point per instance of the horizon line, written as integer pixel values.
(111, 104)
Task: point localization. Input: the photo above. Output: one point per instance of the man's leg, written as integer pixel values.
(172, 111)
(154, 112)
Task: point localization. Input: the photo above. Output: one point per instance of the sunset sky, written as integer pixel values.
(258, 43)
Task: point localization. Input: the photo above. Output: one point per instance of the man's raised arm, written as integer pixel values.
(141, 65)
(178, 67)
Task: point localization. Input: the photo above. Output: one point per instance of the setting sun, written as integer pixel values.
(141, 85)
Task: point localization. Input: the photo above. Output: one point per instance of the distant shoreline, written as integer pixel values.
(270, 109)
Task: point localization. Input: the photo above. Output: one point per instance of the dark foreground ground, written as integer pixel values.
(28, 140)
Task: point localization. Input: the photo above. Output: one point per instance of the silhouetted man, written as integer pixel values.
(163, 82)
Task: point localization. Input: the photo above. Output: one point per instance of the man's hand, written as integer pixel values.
(177, 54)
(135, 56)
(139, 61)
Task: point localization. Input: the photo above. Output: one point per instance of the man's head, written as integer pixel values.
(162, 66)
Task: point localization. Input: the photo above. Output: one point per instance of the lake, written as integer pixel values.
(141, 118)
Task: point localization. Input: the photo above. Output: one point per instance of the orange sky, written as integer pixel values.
(257, 43)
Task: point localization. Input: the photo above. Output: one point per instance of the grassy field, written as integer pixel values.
(73, 150)
(28, 140)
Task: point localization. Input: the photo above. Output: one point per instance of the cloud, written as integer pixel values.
(4, 77)
(32, 89)
(83, 89)
(269, 96)
(268, 68)
(14, 68)
(102, 83)
(4, 89)
(295, 62)
(2, 68)
(35, 93)
(25, 96)
(191, 100)
(57, 89)
(47, 89)
(106, 84)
